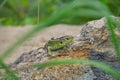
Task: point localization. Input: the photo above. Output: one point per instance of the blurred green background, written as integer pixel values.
(25, 12)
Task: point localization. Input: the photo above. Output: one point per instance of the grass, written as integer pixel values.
(94, 6)
(100, 65)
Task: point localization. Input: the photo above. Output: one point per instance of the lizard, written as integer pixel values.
(57, 43)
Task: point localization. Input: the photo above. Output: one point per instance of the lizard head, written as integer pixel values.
(58, 43)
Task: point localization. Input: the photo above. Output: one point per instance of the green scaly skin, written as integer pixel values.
(58, 43)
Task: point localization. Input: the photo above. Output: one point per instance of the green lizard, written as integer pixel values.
(58, 43)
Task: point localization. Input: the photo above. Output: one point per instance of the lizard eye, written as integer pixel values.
(61, 42)
(67, 38)
(52, 38)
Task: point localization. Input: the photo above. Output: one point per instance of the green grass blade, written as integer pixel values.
(97, 64)
(116, 23)
(3, 75)
(9, 72)
(3, 3)
(99, 6)
(113, 37)
(87, 13)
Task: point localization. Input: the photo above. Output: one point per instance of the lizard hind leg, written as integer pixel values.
(49, 51)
